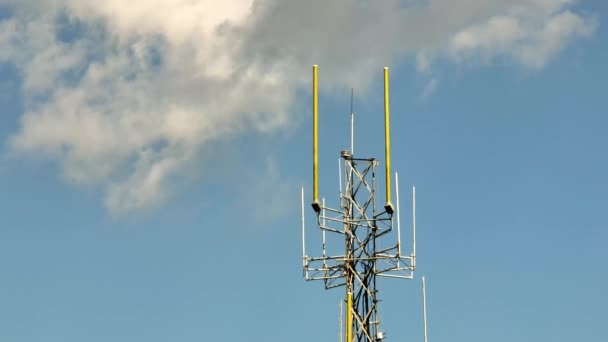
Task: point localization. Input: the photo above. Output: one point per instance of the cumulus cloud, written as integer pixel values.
(526, 40)
(124, 95)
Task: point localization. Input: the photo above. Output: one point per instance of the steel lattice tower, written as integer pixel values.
(363, 227)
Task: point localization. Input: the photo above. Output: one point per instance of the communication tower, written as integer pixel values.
(372, 247)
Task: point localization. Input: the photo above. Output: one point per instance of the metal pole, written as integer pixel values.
(424, 306)
(352, 124)
(387, 142)
(323, 233)
(303, 233)
(315, 138)
(398, 217)
(349, 317)
(414, 226)
(340, 176)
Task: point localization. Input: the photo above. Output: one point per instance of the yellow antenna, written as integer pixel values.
(387, 143)
(349, 317)
(315, 139)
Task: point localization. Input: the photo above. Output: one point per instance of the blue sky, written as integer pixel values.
(182, 224)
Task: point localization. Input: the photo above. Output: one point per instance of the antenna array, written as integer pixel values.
(362, 228)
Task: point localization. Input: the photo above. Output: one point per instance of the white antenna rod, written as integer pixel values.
(340, 176)
(398, 215)
(352, 124)
(323, 232)
(424, 307)
(303, 233)
(414, 225)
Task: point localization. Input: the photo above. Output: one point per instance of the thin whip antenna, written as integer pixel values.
(323, 231)
(303, 233)
(414, 225)
(352, 123)
(424, 307)
(340, 176)
(398, 216)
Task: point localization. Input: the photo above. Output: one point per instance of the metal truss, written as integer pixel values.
(363, 228)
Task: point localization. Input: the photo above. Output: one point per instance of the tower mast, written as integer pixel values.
(363, 229)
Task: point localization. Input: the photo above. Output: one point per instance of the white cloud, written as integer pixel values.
(124, 95)
(529, 41)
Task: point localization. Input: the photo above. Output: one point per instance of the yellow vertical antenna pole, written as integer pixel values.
(349, 317)
(387, 142)
(315, 138)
